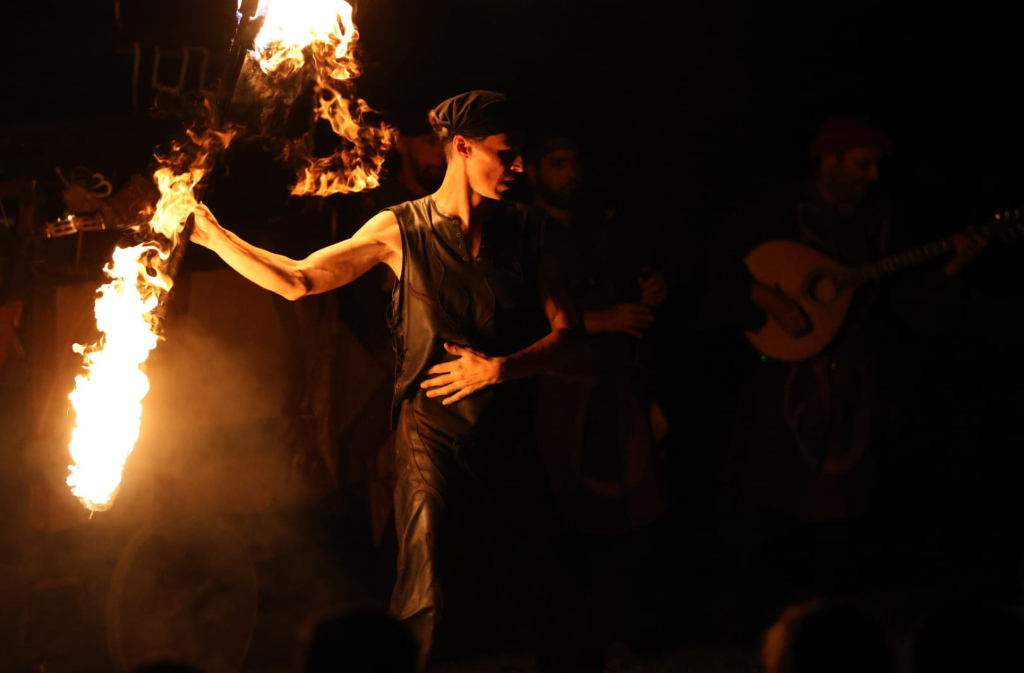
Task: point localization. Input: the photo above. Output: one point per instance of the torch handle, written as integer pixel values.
(174, 261)
(185, 235)
(172, 266)
(178, 254)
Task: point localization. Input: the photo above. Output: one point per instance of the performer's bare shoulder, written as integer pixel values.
(383, 229)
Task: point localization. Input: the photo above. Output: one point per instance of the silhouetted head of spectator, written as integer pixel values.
(421, 156)
(832, 635)
(969, 636)
(357, 638)
(552, 163)
(846, 152)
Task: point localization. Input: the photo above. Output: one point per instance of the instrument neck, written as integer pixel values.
(883, 267)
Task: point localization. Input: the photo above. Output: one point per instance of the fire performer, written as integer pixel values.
(478, 313)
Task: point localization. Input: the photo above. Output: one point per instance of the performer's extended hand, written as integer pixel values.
(206, 227)
(453, 380)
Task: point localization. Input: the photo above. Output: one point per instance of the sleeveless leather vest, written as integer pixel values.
(490, 303)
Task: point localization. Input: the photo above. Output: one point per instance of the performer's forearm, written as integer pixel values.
(554, 354)
(269, 270)
(377, 241)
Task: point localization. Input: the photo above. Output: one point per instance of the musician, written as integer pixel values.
(802, 462)
(602, 432)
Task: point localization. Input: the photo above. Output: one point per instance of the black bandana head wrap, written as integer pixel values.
(475, 114)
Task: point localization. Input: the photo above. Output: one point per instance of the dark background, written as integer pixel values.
(710, 100)
(685, 111)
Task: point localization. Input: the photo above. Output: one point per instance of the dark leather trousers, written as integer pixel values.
(501, 486)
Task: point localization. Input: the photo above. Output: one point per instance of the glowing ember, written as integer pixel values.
(316, 38)
(107, 399)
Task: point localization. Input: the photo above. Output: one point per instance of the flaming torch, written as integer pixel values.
(297, 41)
(107, 398)
(304, 41)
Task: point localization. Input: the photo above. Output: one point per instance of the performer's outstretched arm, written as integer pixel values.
(378, 241)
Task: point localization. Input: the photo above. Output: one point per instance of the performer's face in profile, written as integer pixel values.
(492, 164)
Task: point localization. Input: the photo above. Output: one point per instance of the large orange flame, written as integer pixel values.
(317, 39)
(299, 38)
(107, 398)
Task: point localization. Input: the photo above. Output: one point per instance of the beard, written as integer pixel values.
(856, 193)
(848, 190)
(563, 198)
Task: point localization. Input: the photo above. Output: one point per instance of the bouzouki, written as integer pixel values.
(824, 288)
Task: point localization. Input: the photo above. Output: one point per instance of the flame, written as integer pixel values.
(317, 38)
(107, 398)
(298, 39)
(325, 26)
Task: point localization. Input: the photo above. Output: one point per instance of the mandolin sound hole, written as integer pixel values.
(822, 288)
